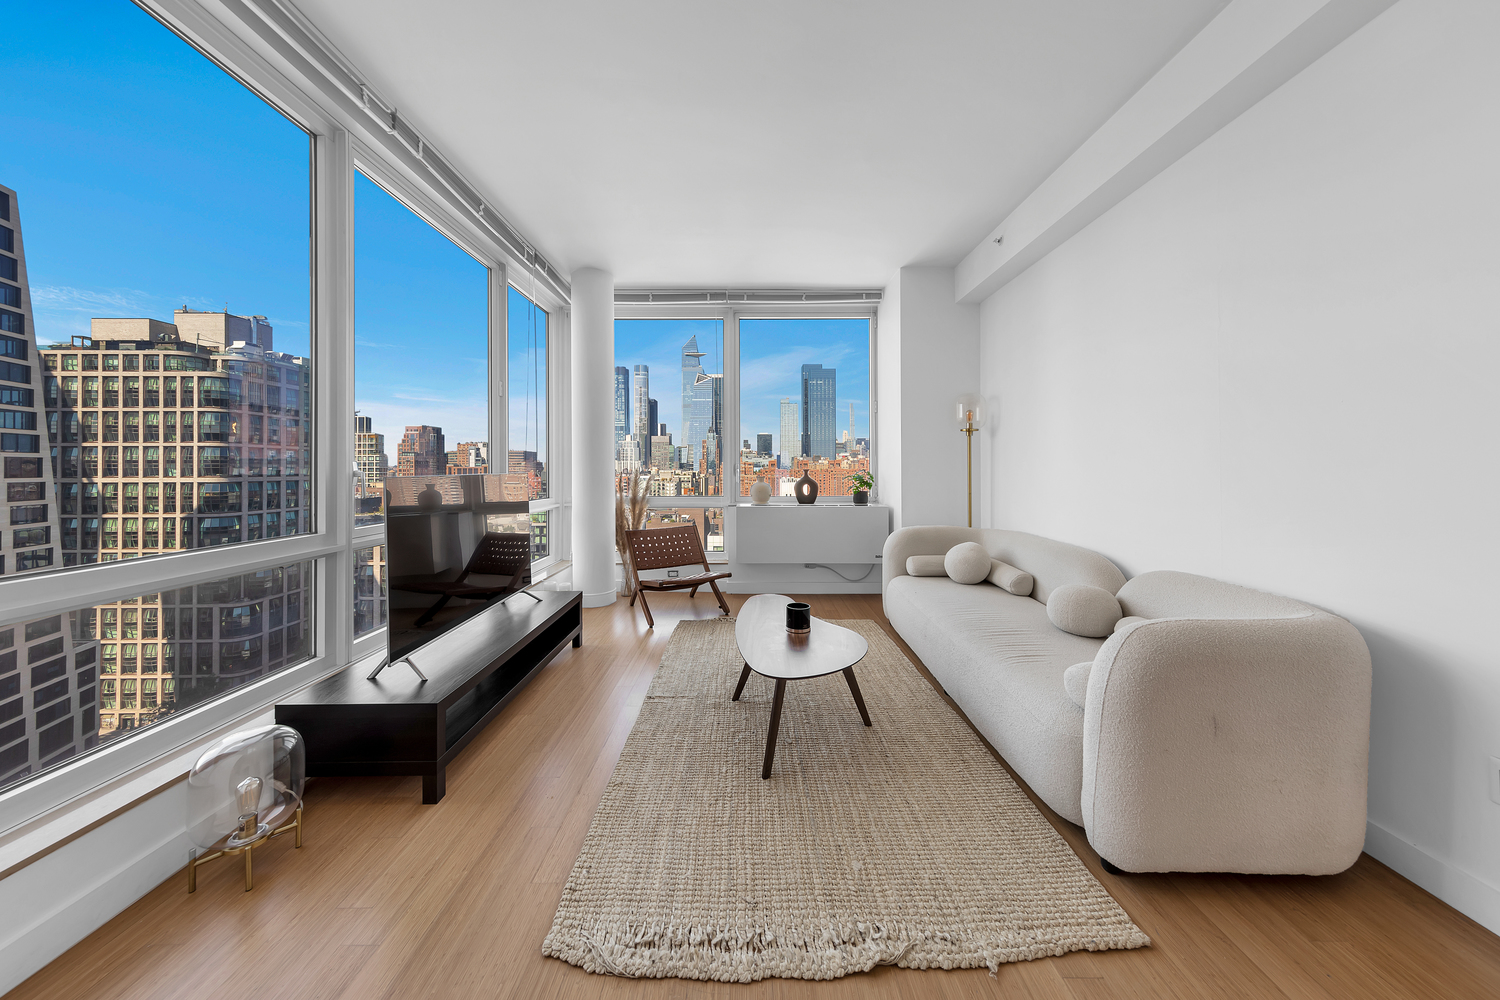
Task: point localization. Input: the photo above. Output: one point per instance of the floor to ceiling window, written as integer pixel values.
(156, 383)
(178, 335)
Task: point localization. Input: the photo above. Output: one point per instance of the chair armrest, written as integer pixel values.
(1229, 745)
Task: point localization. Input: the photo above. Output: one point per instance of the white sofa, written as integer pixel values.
(1228, 732)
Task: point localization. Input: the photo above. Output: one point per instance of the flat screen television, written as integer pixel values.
(454, 547)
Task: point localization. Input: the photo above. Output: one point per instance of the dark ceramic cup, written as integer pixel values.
(798, 618)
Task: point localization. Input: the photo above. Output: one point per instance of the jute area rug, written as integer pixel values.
(906, 843)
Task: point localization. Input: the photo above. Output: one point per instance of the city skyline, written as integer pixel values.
(772, 353)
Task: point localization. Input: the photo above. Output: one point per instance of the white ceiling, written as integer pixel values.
(762, 143)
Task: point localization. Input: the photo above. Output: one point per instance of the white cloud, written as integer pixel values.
(767, 373)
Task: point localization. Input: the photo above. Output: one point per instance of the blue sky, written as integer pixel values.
(146, 177)
(421, 308)
(772, 353)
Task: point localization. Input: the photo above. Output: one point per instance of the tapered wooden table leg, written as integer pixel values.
(739, 688)
(765, 771)
(854, 690)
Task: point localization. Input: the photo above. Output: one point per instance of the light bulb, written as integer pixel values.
(249, 795)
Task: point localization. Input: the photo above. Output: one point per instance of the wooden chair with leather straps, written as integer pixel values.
(670, 548)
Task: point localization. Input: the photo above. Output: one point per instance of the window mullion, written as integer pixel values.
(729, 420)
(333, 369)
(499, 391)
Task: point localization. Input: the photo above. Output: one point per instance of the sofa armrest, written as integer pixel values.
(923, 540)
(1229, 745)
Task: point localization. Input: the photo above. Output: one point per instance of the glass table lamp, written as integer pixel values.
(245, 789)
(970, 419)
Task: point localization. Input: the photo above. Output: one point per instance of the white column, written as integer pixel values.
(593, 436)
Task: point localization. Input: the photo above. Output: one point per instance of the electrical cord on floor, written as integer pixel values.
(847, 579)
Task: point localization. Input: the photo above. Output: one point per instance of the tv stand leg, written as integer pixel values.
(433, 786)
(578, 640)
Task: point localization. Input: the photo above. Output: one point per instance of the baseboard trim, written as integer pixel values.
(1465, 892)
(30, 951)
(603, 599)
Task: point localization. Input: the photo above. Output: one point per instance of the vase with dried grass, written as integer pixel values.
(631, 507)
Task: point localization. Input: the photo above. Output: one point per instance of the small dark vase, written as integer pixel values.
(805, 489)
(861, 497)
(799, 618)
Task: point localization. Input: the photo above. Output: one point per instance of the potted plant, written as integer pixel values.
(863, 483)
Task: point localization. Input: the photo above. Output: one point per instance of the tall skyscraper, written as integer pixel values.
(654, 423)
(763, 444)
(622, 406)
(708, 391)
(819, 401)
(695, 404)
(48, 666)
(369, 455)
(181, 435)
(421, 452)
(791, 441)
(641, 402)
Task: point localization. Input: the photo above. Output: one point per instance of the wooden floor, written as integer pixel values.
(390, 898)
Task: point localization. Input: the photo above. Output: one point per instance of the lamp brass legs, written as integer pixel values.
(292, 826)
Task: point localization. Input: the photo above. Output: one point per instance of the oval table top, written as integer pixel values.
(769, 650)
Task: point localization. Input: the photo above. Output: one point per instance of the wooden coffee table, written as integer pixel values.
(769, 650)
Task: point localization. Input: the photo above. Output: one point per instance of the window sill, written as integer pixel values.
(35, 840)
(51, 828)
(821, 502)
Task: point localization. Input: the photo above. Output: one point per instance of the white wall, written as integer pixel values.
(1275, 364)
(927, 356)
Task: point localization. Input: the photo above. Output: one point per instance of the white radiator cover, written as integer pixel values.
(842, 534)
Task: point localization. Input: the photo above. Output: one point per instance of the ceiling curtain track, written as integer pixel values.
(761, 296)
(294, 27)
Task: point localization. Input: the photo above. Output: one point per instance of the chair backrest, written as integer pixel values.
(664, 548)
(501, 553)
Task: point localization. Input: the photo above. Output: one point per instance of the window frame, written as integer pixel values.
(553, 504)
(731, 313)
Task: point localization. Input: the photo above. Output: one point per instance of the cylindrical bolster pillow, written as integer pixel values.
(967, 562)
(1083, 610)
(1076, 682)
(1008, 578)
(925, 566)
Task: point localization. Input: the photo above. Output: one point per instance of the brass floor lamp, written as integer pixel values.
(970, 419)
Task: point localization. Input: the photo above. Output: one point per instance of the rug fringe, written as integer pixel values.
(749, 954)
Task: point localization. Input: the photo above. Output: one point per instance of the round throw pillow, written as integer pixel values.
(1083, 610)
(967, 562)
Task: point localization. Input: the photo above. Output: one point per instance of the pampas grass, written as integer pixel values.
(631, 507)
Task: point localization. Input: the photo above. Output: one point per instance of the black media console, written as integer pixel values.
(398, 724)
